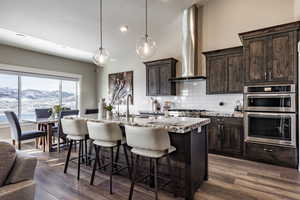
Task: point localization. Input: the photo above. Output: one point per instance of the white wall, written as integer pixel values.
(20, 57)
(222, 21)
(297, 9)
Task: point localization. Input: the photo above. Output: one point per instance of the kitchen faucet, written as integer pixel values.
(129, 97)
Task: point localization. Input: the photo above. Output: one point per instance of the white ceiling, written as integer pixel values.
(75, 24)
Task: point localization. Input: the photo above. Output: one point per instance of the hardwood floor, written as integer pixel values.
(229, 179)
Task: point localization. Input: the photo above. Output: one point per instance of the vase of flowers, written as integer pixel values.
(109, 113)
(56, 110)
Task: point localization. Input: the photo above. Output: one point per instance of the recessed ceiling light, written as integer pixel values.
(124, 28)
(19, 34)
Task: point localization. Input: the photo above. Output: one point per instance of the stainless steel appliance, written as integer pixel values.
(270, 115)
(276, 98)
(272, 128)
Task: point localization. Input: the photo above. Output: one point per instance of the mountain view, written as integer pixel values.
(32, 99)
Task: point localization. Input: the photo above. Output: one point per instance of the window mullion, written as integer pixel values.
(60, 92)
(19, 96)
(76, 93)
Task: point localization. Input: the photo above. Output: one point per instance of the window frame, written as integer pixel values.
(38, 73)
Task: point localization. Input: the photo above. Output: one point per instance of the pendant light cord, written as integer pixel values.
(101, 24)
(146, 18)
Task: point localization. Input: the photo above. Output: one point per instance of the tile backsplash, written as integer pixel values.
(191, 95)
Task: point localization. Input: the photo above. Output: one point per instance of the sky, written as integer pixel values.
(45, 84)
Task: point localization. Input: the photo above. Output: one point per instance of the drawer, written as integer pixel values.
(277, 155)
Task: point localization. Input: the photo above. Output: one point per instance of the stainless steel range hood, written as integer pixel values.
(189, 65)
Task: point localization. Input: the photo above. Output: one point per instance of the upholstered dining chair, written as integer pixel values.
(18, 135)
(42, 113)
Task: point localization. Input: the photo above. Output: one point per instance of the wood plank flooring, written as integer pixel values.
(229, 179)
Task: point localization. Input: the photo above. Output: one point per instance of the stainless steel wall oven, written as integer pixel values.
(273, 128)
(270, 114)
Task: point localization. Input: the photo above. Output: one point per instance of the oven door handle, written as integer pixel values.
(268, 150)
(269, 95)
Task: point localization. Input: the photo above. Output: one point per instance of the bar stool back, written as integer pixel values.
(76, 130)
(107, 135)
(152, 143)
(107, 132)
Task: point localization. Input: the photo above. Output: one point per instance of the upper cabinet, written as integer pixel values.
(158, 73)
(270, 54)
(224, 70)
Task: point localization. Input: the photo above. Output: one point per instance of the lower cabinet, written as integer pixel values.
(277, 155)
(226, 136)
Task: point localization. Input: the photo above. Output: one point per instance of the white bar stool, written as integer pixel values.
(107, 135)
(152, 143)
(76, 130)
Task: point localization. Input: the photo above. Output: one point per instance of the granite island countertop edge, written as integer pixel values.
(196, 123)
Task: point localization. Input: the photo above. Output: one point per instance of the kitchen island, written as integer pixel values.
(189, 161)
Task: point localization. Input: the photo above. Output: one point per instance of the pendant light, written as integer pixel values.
(146, 46)
(101, 55)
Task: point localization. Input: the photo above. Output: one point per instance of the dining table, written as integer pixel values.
(45, 124)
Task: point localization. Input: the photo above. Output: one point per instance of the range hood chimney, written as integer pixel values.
(189, 65)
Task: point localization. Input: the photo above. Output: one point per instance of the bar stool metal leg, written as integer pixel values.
(127, 161)
(155, 178)
(111, 169)
(86, 152)
(68, 157)
(151, 177)
(79, 159)
(95, 164)
(135, 169)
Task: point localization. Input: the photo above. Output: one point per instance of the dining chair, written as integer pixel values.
(107, 135)
(42, 113)
(76, 131)
(152, 143)
(59, 134)
(18, 135)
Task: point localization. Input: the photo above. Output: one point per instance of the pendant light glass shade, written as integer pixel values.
(145, 47)
(101, 57)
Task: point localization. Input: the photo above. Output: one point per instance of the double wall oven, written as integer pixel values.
(270, 114)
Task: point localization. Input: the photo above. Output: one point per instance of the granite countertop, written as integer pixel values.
(206, 113)
(172, 124)
(222, 114)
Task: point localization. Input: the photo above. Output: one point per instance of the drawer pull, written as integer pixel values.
(268, 150)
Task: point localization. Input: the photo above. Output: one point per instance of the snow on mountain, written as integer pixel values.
(10, 93)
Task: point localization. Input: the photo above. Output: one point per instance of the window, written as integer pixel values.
(23, 93)
(38, 93)
(8, 94)
(69, 94)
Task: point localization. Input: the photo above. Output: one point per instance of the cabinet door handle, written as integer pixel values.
(270, 75)
(268, 150)
(265, 75)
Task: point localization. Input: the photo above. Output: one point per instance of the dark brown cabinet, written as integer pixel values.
(270, 54)
(226, 136)
(214, 135)
(224, 70)
(233, 136)
(158, 73)
(152, 81)
(277, 155)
